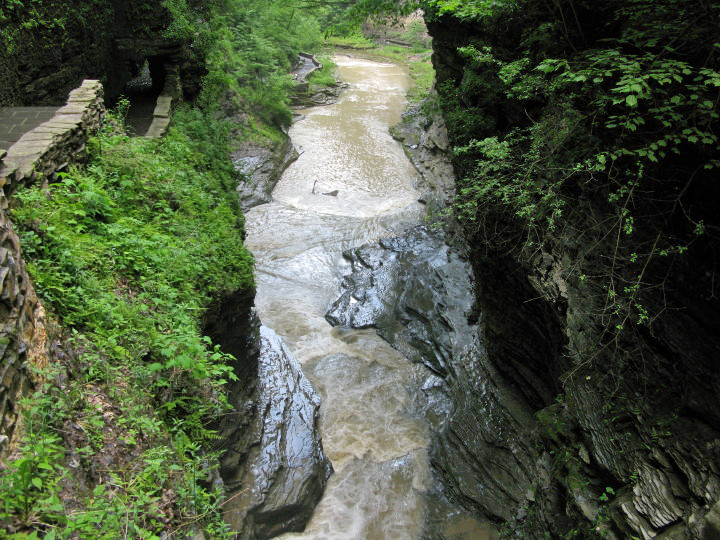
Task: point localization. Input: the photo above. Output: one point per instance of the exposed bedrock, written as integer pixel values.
(419, 294)
(506, 449)
(425, 141)
(261, 168)
(528, 442)
(626, 442)
(273, 465)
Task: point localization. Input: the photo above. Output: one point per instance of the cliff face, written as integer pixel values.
(272, 462)
(605, 426)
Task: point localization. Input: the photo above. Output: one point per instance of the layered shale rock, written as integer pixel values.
(261, 169)
(419, 294)
(273, 465)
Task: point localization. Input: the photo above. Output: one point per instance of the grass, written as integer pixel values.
(351, 42)
(423, 73)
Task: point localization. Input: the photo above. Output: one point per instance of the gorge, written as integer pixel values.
(492, 316)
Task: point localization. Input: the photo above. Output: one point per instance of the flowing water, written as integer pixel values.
(378, 449)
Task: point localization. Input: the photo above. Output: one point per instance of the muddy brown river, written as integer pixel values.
(378, 450)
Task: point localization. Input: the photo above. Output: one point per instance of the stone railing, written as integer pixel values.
(163, 106)
(161, 117)
(52, 145)
(36, 156)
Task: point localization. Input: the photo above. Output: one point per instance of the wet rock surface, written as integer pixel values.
(273, 466)
(414, 290)
(425, 141)
(506, 443)
(261, 168)
(516, 444)
(286, 472)
(628, 439)
(308, 94)
(419, 294)
(311, 95)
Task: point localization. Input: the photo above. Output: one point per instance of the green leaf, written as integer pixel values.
(631, 100)
(37, 482)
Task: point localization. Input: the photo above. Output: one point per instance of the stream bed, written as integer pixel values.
(352, 184)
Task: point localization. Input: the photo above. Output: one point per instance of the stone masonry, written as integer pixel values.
(38, 154)
(16, 121)
(52, 145)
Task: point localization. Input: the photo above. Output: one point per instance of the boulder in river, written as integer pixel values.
(286, 471)
(419, 294)
(261, 168)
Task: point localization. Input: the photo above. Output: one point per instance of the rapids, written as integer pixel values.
(377, 447)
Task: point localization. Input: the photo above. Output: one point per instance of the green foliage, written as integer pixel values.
(470, 9)
(381, 10)
(598, 143)
(326, 75)
(351, 42)
(147, 215)
(151, 474)
(36, 35)
(415, 34)
(423, 73)
(607, 494)
(128, 253)
(248, 47)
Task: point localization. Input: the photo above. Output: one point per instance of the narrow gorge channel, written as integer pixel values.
(352, 184)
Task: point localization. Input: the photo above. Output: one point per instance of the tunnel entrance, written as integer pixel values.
(143, 91)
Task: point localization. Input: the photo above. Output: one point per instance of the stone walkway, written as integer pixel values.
(16, 121)
(305, 66)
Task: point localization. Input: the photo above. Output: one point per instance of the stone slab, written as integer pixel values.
(158, 128)
(16, 121)
(162, 107)
(30, 149)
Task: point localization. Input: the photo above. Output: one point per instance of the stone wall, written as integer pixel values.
(54, 144)
(48, 48)
(35, 157)
(170, 94)
(21, 326)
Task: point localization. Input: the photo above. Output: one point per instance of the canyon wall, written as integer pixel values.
(573, 430)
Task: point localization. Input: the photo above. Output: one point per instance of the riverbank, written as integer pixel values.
(415, 60)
